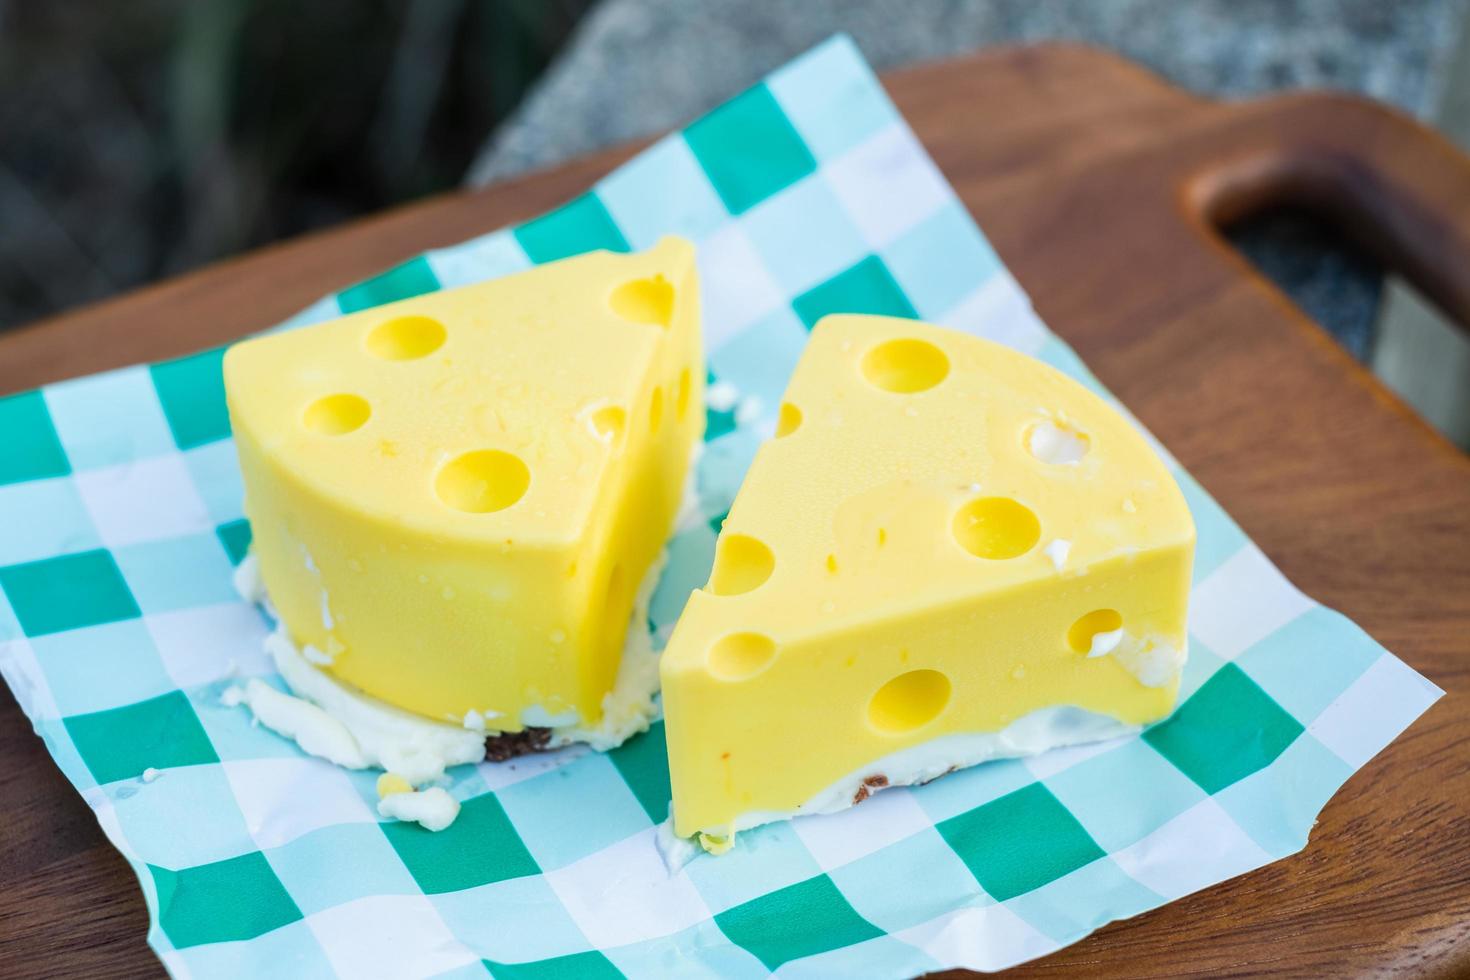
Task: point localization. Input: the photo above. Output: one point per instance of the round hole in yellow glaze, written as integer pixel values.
(608, 422)
(406, 338)
(905, 366)
(1080, 633)
(909, 701)
(742, 563)
(337, 415)
(996, 528)
(644, 301)
(656, 410)
(483, 481)
(1057, 445)
(788, 421)
(681, 399)
(738, 656)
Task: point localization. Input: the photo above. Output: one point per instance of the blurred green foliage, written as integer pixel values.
(140, 139)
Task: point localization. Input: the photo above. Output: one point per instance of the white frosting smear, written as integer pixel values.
(1154, 660)
(250, 586)
(432, 808)
(333, 721)
(476, 721)
(1053, 444)
(1105, 643)
(1046, 728)
(313, 655)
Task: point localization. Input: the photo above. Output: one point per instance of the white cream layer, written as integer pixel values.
(338, 722)
(1047, 728)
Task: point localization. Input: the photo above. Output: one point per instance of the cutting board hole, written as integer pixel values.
(1309, 258)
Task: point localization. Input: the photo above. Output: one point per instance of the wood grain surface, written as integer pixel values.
(1101, 187)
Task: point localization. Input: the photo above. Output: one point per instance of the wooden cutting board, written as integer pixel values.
(1102, 188)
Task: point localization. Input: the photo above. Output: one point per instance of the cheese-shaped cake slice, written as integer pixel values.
(950, 552)
(455, 497)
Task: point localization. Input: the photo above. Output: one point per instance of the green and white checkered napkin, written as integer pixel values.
(120, 520)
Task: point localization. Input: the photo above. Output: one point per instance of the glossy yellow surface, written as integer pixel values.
(885, 578)
(455, 497)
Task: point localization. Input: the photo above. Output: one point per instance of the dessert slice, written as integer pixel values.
(950, 552)
(455, 498)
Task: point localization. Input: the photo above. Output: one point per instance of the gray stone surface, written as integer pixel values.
(637, 67)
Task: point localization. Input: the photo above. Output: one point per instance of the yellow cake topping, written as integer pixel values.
(944, 538)
(454, 498)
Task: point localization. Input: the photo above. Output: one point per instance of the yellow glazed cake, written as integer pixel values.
(950, 552)
(455, 498)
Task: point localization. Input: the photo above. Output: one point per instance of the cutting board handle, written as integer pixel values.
(1401, 190)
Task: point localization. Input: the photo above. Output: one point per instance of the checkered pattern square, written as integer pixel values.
(35, 451)
(42, 518)
(152, 568)
(518, 920)
(895, 903)
(557, 826)
(96, 667)
(623, 894)
(191, 393)
(310, 867)
(768, 858)
(412, 278)
(121, 523)
(109, 419)
(578, 226)
(237, 898)
(68, 592)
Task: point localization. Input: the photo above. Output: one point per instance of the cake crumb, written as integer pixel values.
(508, 745)
(870, 786)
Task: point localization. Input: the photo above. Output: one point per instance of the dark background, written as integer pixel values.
(141, 139)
